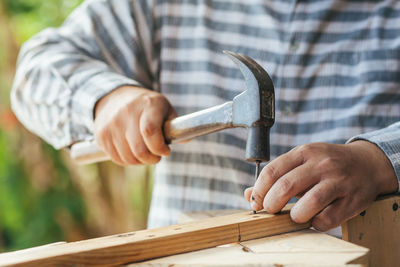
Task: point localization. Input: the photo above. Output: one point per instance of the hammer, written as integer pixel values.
(253, 109)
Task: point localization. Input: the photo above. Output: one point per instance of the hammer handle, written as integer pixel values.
(176, 130)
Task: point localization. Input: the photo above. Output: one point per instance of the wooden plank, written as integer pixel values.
(190, 216)
(300, 248)
(147, 244)
(379, 230)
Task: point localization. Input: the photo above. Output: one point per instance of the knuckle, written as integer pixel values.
(285, 187)
(328, 162)
(150, 99)
(117, 123)
(271, 172)
(149, 129)
(302, 148)
(303, 151)
(308, 150)
(298, 148)
(332, 165)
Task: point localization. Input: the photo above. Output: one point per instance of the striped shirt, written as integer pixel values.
(335, 66)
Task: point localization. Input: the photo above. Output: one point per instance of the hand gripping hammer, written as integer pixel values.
(254, 109)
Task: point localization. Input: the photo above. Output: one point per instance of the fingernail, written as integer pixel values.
(254, 205)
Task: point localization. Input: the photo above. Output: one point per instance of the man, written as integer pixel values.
(117, 69)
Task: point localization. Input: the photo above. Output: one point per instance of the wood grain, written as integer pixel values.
(379, 230)
(301, 248)
(148, 244)
(190, 216)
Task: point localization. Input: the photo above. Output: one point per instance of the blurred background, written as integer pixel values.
(44, 197)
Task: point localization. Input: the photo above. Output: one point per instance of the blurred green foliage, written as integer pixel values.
(44, 197)
(29, 215)
(31, 16)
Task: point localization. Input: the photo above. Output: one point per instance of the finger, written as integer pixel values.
(289, 185)
(326, 220)
(151, 125)
(247, 193)
(171, 113)
(272, 172)
(139, 148)
(113, 152)
(125, 154)
(104, 142)
(338, 212)
(315, 200)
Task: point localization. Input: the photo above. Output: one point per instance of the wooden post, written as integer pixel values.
(377, 228)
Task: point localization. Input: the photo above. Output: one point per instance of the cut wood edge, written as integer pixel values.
(153, 243)
(362, 260)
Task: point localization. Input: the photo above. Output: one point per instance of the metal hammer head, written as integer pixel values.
(255, 107)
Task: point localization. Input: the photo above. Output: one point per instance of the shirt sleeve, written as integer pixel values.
(62, 73)
(388, 140)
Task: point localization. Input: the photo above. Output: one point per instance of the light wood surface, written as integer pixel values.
(379, 230)
(147, 244)
(301, 248)
(190, 216)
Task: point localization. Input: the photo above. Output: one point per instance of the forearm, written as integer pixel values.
(62, 73)
(59, 106)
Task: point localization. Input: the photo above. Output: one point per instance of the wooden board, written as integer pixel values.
(379, 230)
(147, 244)
(301, 248)
(190, 216)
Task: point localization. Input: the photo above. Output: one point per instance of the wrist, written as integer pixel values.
(380, 168)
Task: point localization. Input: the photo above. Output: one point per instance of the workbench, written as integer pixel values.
(243, 238)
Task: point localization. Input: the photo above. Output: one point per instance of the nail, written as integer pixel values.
(254, 205)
